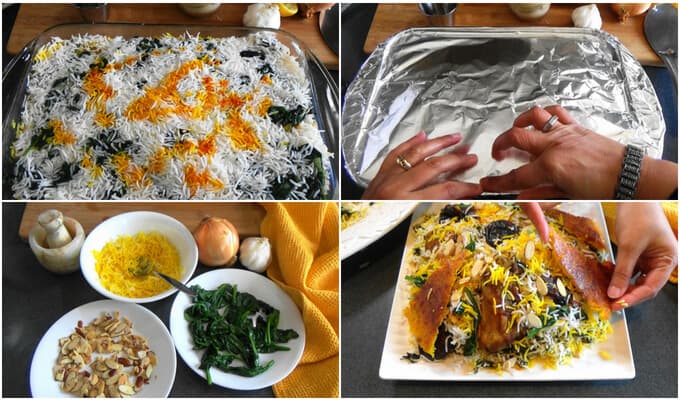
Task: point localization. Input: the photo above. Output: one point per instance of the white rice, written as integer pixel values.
(139, 68)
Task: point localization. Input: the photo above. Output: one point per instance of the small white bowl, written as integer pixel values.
(130, 224)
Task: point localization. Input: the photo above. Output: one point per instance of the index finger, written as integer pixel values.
(535, 214)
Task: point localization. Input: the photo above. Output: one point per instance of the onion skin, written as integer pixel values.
(308, 10)
(218, 242)
(625, 10)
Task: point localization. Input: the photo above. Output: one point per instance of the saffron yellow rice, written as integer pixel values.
(114, 261)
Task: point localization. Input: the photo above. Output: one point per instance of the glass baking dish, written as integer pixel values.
(15, 81)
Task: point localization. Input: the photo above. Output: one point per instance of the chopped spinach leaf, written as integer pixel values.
(418, 281)
(234, 326)
(287, 118)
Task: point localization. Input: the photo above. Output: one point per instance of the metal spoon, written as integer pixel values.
(145, 267)
(661, 30)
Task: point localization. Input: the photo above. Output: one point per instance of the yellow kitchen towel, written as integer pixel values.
(306, 264)
(670, 209)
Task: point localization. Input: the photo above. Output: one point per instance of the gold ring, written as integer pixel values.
(402, 162)
(550, 124)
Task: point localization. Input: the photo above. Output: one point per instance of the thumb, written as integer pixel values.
(626, 259)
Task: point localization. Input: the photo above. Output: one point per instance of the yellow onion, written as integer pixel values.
(625, 10)
(217, 240)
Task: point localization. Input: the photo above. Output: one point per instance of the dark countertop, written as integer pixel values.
(368, 282)
(33, 299)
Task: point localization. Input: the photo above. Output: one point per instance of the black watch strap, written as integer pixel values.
(630, 173)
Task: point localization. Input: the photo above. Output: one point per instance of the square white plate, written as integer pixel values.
(589, 366)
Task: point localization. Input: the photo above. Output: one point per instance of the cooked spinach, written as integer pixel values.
(287, 118)
(66, 172)
(281, 188)
(234, 326)
(252, 53)
(419, 281)
(471, 344)
(265, 69)
(42, 139)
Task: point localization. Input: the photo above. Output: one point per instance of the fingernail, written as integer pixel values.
(622, 303)
(614, 292)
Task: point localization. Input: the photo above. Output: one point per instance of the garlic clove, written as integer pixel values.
(587, 16)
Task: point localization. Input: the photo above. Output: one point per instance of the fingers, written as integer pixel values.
(426, 171)
(538, 116)
(390, 159)
(449, 190)
(626, 258)
(562, 114)
(521, 139)
(646, 288)
(419, 152)
(418, 148)
(535, 214)
(524, 177)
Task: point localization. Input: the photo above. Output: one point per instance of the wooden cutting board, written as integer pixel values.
(246, 217)
(392, 18)
(33, 19)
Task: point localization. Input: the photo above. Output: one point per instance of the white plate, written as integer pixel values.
(590, 365)
(379, 220)
(263, 289)
(145, 323)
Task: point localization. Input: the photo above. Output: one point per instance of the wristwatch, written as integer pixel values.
(630, 173)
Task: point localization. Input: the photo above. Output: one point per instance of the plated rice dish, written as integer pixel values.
(170, 117)
(485, 290)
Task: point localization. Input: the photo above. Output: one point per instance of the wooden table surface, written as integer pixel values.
(246, 217)
(32, 19)
(392, 18)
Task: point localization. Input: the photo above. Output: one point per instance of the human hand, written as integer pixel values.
(534, 211)
(646, 244)
(422, 180)
(567, 161)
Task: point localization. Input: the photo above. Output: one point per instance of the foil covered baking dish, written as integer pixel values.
(476, 81)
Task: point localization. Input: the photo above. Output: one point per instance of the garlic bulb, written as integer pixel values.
(587, 17)
(263, 15)
(256, 253)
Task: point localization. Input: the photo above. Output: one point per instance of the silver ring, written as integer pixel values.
(550, 124)
(402, 162)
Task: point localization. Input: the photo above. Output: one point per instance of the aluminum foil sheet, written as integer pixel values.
(476, 81)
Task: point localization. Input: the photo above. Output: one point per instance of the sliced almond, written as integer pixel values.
(111, 363)
(70, 381)
(112, 380)
(541, 286)
(529, 250)
(561, 288)
(126, 389)
(534, 321)
(148, 371)
(152, 357)
(477, 268)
